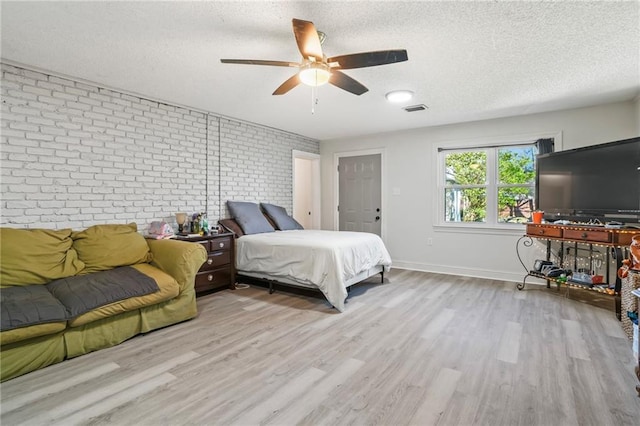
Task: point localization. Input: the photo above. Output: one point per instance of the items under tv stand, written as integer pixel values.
(575, 236)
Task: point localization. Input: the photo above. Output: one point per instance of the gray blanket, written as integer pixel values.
(70, 297)
(83, 293)
(22, 306)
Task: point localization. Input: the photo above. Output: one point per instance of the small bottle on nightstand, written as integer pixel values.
(205, 224)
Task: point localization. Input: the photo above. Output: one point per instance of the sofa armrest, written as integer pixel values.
(180, 259)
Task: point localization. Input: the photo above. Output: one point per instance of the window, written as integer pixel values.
(492, 185)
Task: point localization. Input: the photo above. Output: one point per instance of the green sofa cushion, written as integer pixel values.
(103, 247)
(25, 333)
(36, 256)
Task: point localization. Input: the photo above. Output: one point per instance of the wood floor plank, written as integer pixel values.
(116, 400)
(287, 395)
(584, 384)
(95, 395)
(510, 343)
(576, 347)
(405, 295)
(294, 413)
(437, 397)
(421, 348)
(63, 384)
(437, 325)
(336, 317)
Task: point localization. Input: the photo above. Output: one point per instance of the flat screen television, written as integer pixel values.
(596, 182)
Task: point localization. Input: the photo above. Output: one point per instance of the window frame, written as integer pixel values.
(492, 146)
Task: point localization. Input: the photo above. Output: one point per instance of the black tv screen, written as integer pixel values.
(595, 182)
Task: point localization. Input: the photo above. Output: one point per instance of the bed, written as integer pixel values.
(272, 247)
(329, 261)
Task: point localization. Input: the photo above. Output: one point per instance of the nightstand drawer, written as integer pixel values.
(217, 243)
(221, 243)
(213, 279)
(216, 259)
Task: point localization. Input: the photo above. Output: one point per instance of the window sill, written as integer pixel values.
(472, 228)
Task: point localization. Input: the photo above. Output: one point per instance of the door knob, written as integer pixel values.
(377, 218)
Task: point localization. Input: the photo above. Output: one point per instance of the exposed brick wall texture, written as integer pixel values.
(74, 155)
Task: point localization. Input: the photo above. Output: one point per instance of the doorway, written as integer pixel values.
(360, 193)
(306, 189)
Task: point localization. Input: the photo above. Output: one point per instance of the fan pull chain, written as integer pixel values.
(314, 99)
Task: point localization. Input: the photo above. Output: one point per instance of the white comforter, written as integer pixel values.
(326, 259)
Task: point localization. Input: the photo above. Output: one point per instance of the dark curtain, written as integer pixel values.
(545, 146)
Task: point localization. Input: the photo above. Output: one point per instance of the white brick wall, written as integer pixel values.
(257, 166)
(73, 155)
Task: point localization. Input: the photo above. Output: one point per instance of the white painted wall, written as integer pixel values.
(409, 187)
(302, 188)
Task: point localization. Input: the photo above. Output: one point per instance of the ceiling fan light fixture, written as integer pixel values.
(398, 96)
(317, 69)
(315, 74)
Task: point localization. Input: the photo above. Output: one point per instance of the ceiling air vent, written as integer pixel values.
(414, 108)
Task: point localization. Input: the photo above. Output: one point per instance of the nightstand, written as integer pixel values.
(218, 272)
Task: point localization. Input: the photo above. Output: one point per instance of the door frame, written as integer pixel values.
(316, 222)
(336, 199)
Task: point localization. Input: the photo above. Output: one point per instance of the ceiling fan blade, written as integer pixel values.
(288, 85)
(307, 39)
(260, 62)
(369, 59)
(347, 83)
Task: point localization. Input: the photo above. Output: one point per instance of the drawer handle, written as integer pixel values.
(542, 232)
(210, 277)
(221, 245)
(584, 235)
(209, 261)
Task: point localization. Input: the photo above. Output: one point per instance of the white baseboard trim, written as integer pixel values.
(466, 272)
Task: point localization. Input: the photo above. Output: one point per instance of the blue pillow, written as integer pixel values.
(249, 217)
(280, 217)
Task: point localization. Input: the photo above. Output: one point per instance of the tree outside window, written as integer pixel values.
(516, 183)
(466, 191)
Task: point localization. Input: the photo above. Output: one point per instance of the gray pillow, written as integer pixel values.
(249, 217)
(280, 217)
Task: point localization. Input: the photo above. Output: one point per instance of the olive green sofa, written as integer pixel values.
(36, 257)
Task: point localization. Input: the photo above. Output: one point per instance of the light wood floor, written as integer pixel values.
(420, 349)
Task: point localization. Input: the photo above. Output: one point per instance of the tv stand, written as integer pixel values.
(570, 236)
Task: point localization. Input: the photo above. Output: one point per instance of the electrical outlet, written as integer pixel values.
(429, 241)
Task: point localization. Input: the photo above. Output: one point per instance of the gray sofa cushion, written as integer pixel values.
(22, 306)
(83, 293)
(280, 217)
(249, 217)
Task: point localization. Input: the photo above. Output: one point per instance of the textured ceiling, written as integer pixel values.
(467, 60)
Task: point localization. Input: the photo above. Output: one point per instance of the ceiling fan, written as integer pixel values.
(316, 69)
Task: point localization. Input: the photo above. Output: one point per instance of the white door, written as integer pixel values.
(360, 194)
(306, 189)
